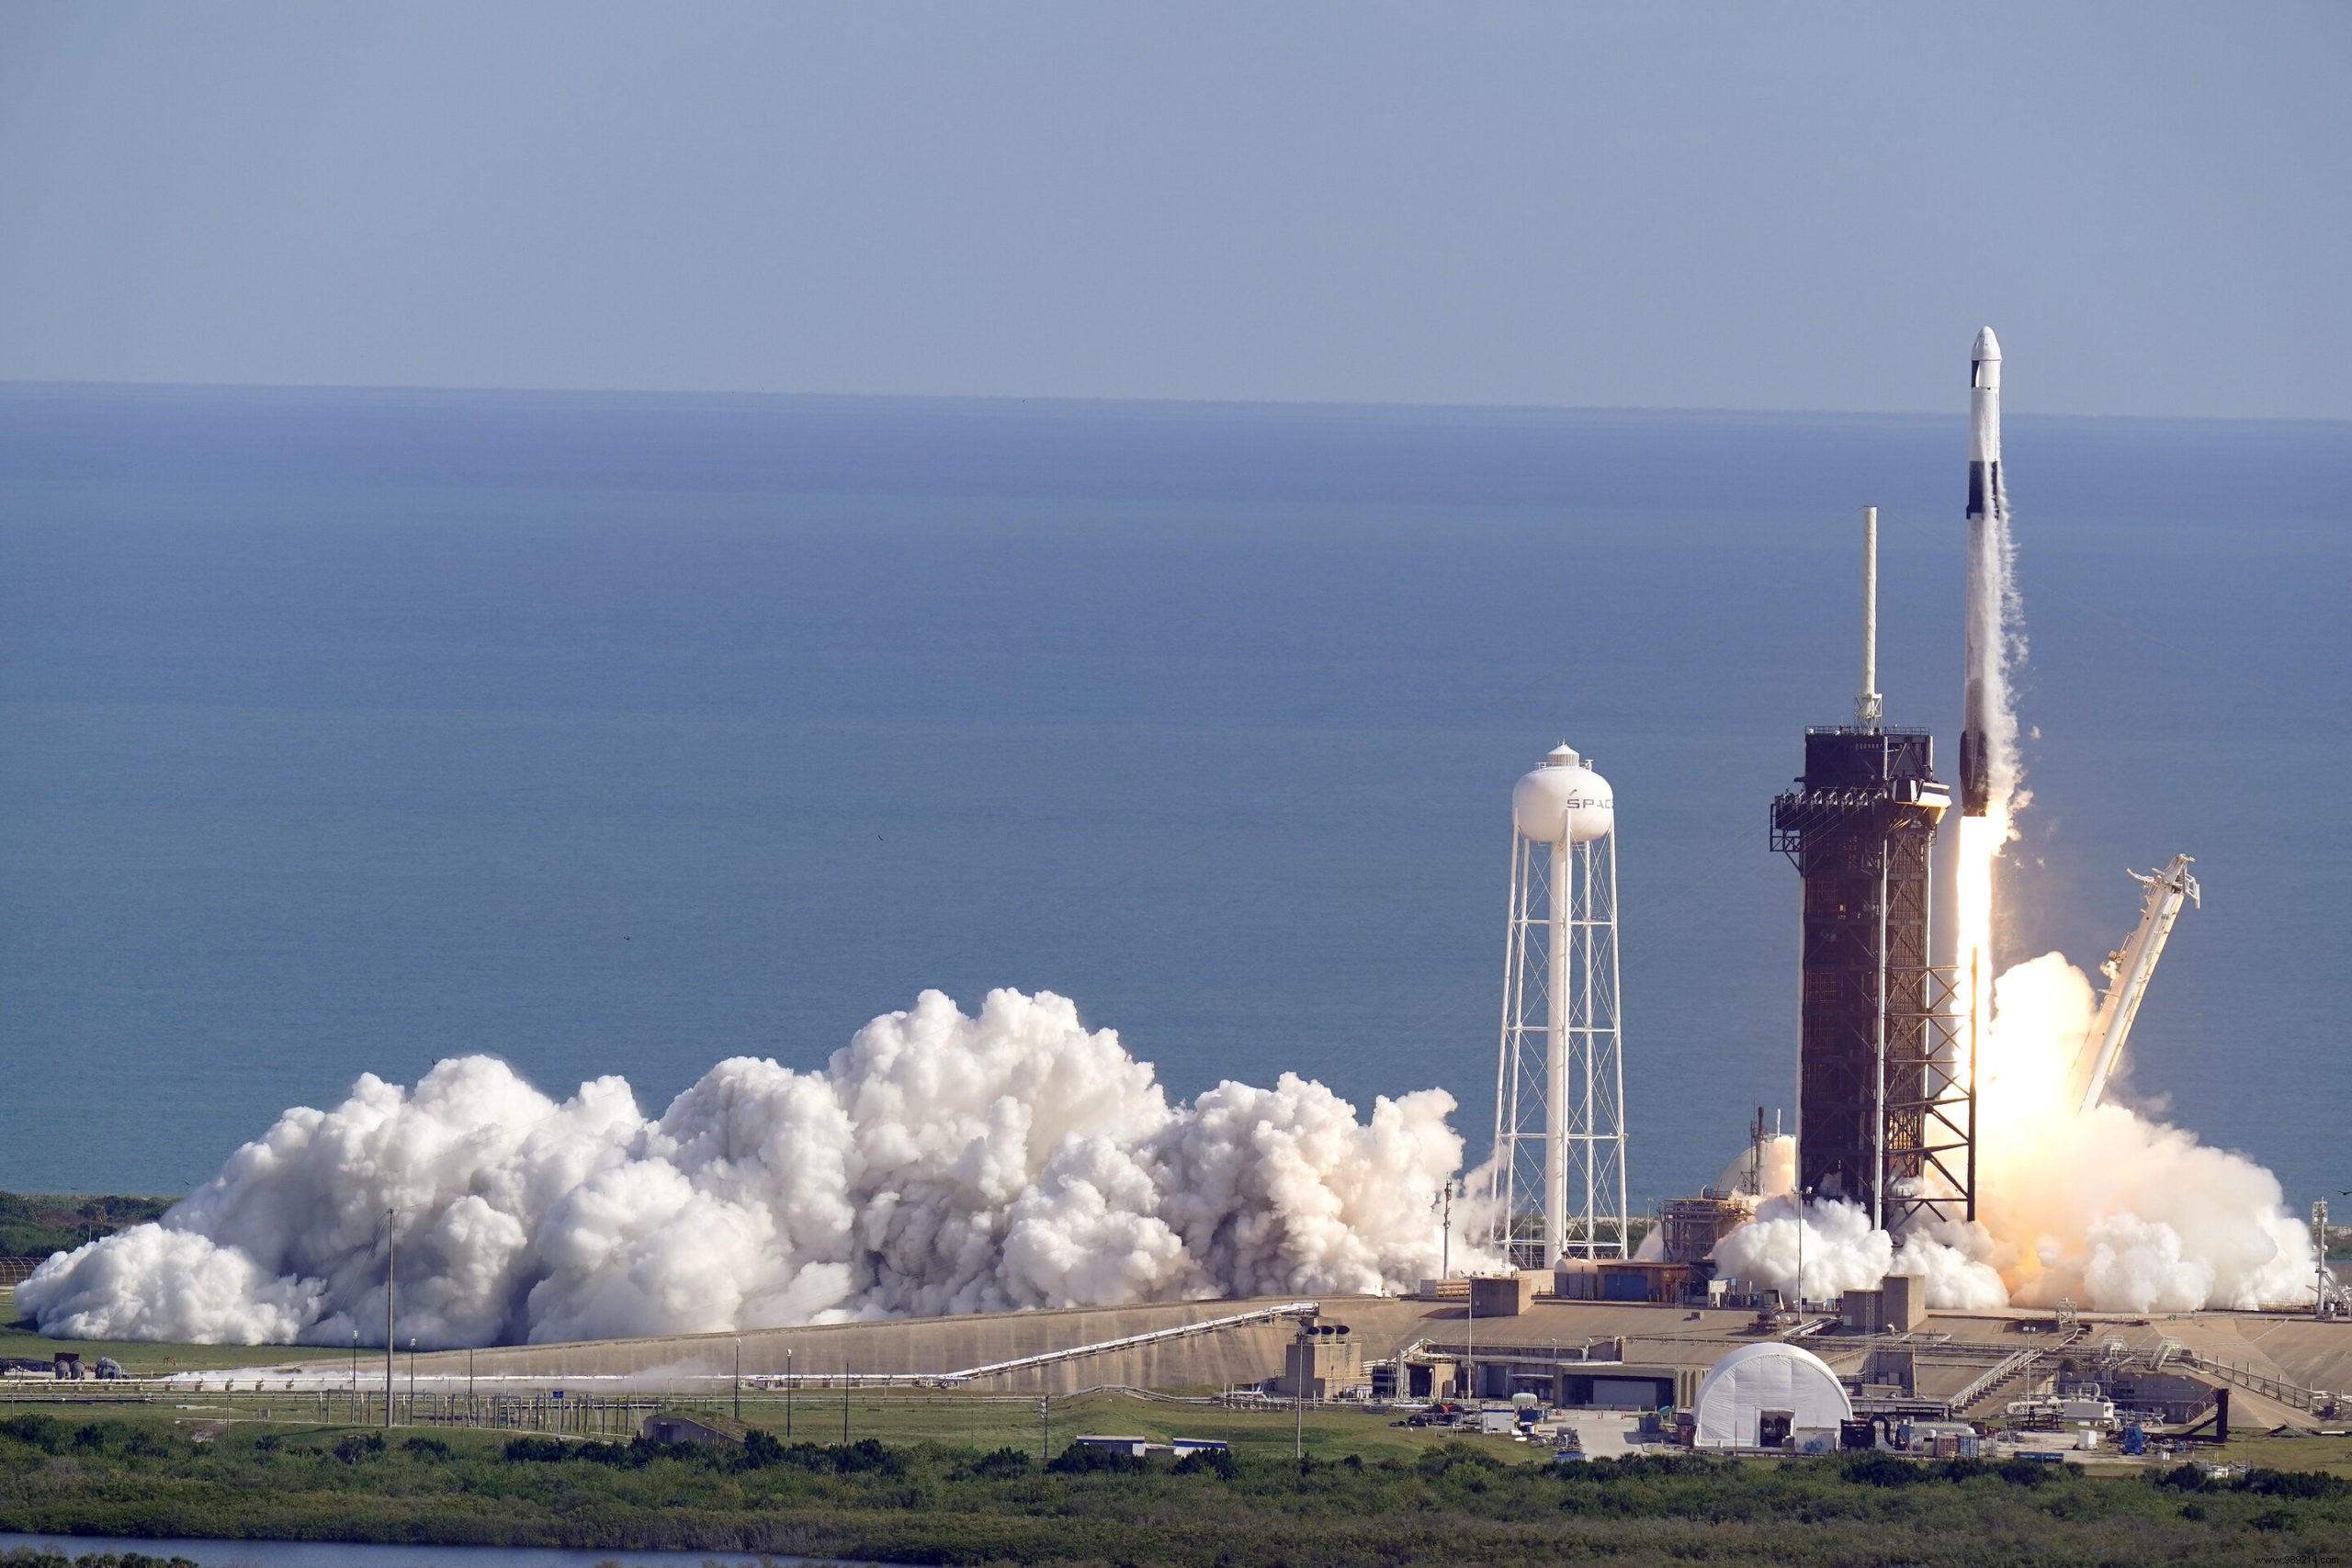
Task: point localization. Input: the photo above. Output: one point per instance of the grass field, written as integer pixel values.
(182, 1473)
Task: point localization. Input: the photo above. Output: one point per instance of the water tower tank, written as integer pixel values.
(1563, 802)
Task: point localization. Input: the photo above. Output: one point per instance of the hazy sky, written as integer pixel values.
(1752, 206)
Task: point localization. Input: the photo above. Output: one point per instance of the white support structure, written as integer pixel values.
(2129, 970)
(1870, 708)
(1559, 1168)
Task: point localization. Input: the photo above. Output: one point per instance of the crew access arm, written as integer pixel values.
(2129, 969)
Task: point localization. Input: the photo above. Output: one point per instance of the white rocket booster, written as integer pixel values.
(1981, 612)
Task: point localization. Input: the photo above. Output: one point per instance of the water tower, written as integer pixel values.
(1559, 1168)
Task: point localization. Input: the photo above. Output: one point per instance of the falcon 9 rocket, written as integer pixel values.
(1981, 613)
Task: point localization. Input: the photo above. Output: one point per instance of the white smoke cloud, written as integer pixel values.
(2108, 1209)
(940, 1163)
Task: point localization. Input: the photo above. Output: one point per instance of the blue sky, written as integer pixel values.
(1754, 205)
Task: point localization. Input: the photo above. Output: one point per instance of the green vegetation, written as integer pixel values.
(935, 1502)
(34, 1224)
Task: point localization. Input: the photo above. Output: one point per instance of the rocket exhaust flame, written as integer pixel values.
(2087, 1203)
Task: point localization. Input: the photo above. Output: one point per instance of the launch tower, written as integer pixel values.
(1886, 1080)
(1559, 1170)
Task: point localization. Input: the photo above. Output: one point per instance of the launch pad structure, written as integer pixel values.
(1886, 1089)
(1886, 1112)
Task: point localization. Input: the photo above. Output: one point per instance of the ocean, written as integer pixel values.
(347, 730)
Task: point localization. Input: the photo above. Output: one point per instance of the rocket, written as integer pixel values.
(1981, 612)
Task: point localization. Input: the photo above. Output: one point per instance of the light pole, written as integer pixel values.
(1803, 1196)
(739, 1377)
(355, 1377)
(787, 1391)
(1303, 1360)
(844, 1407)
(411, 1377)
(470, 1419)
(1045, 1429)
(1470, 1395)
(391, 1257)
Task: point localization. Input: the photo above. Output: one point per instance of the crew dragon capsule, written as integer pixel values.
(1981, 613)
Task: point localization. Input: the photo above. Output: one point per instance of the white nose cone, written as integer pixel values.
(1563, 802)
(1987, 346)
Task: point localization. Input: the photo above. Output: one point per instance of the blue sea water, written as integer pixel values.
(347, 730)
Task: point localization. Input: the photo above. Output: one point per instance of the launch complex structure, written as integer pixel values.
(1886, 1051)
(1889, 1041)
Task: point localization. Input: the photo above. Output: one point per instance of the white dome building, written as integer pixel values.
(1761, 1396)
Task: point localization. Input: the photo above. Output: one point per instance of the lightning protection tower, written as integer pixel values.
(1559, 1167)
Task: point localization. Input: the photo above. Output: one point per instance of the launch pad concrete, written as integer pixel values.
(1671, 1344)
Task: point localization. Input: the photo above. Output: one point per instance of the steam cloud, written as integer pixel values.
(940, 1163)
(2106, 1209)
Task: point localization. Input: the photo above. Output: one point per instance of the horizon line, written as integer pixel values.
(12, 385)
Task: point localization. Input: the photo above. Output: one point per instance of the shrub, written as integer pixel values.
(357, 1447)
(529, 1450)
(2293, 1483)
(92, 1437)
(2185, 1478)
(43, 1432)
(2033, 1472)
(1448, 1457)
(147, 1445)
(426, 1447)
(867, 1455)
(1216, 1462)
(1093, 1459)
(1004, 1464)
(1885, 1470)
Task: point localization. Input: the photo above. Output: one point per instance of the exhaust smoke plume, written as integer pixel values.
(2106, 1209)
(940, 1163)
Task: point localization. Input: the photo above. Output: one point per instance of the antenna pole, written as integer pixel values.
(1868, 710)
(392, 1258)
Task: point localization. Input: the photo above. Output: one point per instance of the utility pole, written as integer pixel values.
(355, 1377)
(787, 1391)
(844, 1407)
(411, 1377)
(739, 1377)
(2322, 1287)
(1045, 1429)
(469, 1386)
(391, 1254)
(1471, 1393)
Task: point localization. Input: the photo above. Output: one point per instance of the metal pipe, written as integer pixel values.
(1559, 980)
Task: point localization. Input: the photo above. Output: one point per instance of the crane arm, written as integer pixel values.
(2129, 969)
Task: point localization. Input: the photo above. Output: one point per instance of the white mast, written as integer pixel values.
(1559, 1174)
(1870, 708)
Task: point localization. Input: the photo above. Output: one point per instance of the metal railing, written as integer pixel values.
(2293, 1395)
(2015, 1365)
